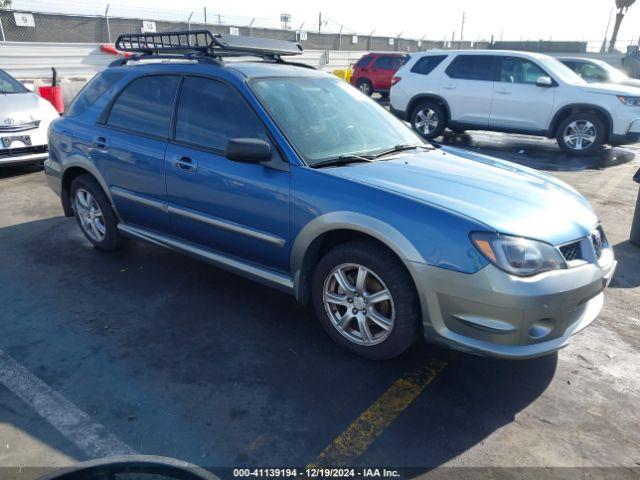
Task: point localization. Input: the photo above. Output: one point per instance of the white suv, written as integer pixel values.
(514, 92)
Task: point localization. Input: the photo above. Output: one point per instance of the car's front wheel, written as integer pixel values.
(581, 133)
(366, 300)
(429, 120)
(94, 213)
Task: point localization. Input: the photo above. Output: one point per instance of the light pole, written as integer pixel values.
(298, 32)
(189, 21)
(251, 27)
(371, 39)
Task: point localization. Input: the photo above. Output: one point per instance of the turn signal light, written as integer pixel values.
(395, 80)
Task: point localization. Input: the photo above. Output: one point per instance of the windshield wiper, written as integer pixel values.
(401, 148)
(342, 160)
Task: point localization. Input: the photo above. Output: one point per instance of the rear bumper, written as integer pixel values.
(496, 314)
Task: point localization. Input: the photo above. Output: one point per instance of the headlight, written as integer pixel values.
(516, 255)
(630, 101)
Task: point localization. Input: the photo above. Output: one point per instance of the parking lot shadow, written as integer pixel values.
(177, 358)
(536, 152)
(628, 272)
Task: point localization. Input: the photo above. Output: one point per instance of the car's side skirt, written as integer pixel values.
(248, 270)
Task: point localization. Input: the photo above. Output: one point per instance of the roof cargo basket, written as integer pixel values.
(206, 43)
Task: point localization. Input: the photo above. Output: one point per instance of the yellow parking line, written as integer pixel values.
(357, 438)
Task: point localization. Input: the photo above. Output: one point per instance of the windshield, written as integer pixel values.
(560, 71)
(326, 118)
(615, 75)
(8, 84)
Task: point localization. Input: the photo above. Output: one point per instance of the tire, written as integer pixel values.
(429, 120)
(401, 312)
(365, 86)
(592, 127)
(94, 214)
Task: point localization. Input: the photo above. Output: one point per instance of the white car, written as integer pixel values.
(593, 70)
(514, 92)
(24, 120)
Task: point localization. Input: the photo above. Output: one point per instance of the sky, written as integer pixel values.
(435, 19)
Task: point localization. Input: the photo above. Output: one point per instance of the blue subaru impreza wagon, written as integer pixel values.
(291, 177)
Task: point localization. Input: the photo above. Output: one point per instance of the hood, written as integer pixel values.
(612, 88)
(506, 197)
(24, 108)
(632, 82)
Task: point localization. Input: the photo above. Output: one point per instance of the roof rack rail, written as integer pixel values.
(205, 43)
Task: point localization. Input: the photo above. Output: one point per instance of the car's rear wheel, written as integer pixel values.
(94, 213)
(429, 120)
(581, 133)
(365, 300)
(365, 86)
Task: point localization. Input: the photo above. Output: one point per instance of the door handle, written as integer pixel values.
(99, 142)
(504, 92)
(184, 163)
(449, 86)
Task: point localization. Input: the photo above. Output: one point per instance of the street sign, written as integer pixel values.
(148, 27)
(24, 19)
(234, 31)
(303, 35)
(354, 39)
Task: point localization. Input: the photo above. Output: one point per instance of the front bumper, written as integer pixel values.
(496, 314)
(24, 155)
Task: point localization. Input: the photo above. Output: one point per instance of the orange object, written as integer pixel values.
(110, 48)
(54, 95)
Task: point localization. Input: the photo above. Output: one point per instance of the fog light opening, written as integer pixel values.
(541, 328)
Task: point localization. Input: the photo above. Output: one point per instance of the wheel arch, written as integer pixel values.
(567, 110)
(332, 229)
(415, 100)
(72, 172)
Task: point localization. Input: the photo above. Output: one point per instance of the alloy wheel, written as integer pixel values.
(359, 304)
(426, 121)
(580, 135)
(90, 215)
(365, 88)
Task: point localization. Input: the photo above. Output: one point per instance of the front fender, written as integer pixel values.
(345, 220)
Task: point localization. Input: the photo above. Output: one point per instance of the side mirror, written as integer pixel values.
(544, 82)
(248, 150)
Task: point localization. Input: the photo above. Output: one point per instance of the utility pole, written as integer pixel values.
(464, 17)
(603, 49)
(319, 21)
(205, 14)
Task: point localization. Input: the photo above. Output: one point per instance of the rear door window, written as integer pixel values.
(426, 65)
(145, 106)
(93, 90)
(386, 63)
(472, 67)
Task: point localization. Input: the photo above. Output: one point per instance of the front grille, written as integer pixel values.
(571, 251)
(598, 240)
(21, 127)
(16, 152)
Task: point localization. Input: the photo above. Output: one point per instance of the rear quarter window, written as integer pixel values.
(426, 65)
(364, 61)
(93, 90)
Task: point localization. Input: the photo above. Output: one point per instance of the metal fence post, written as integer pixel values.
(635, 225)
(2, 30)
(106, 17)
